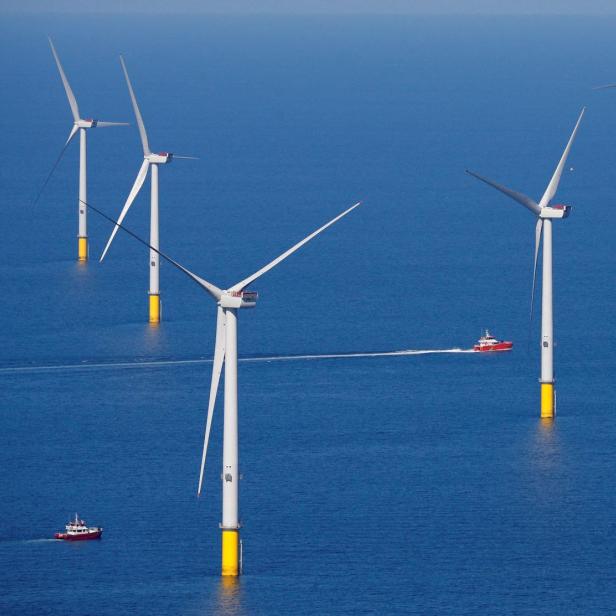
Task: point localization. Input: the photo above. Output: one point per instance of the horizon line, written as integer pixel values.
(307, 13)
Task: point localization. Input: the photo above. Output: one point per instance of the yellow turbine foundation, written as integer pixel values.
(230, 552)
(547, 400)
(82, 248)
(154, 308)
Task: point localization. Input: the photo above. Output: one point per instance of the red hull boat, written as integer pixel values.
(488, 343)
(76, 530)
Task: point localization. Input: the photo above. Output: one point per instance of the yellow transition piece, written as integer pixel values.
(547, 400)
(154, 308)
(82, 248)
(230, 552)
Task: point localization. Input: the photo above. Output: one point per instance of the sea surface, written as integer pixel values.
(376, 479)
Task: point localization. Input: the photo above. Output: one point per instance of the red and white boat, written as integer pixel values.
(77, 530)
(488, 342)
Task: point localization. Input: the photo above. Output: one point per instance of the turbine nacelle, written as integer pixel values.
(555, 211)
(238, 299)
(162, 158)
(87, 123)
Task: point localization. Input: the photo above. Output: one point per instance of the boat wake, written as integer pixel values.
(85, 365)
(356, 355)
(45, 540)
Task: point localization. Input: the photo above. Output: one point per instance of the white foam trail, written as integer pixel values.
(356, 355)
(109, 364)
(180, 362)
(46, 540)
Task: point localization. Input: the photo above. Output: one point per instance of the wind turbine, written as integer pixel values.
(150, 161)
(545, 213)
(225, 352)
(81, 125)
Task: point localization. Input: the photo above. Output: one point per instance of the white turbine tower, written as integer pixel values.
(545, 213)
(225, 352)
(150, 161)
(81, 125)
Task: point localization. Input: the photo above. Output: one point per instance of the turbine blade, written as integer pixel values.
(212, 289)
(526, 201)
(73, 132)
(107, 124)
(58, 159)
(142, 133)
(219, 358)
(550, 191)
(240, 285)
(605, 87)
(72, 101)
(538, 231)
(186, 157)
(143, 172)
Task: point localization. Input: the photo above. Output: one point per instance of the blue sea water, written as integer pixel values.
(386, 484)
